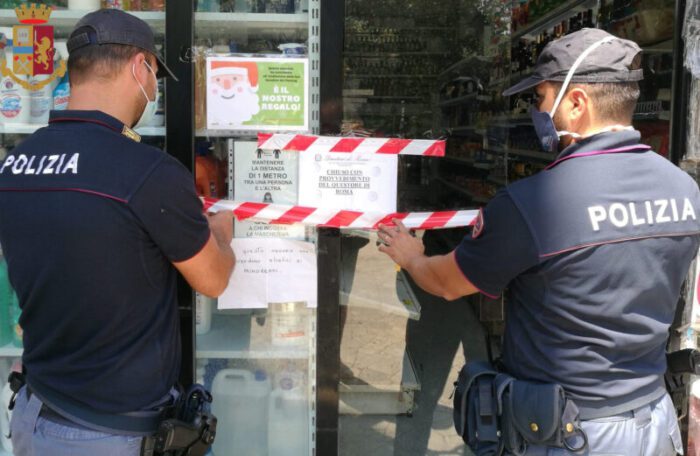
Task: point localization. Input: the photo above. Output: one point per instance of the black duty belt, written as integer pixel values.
(142, 423)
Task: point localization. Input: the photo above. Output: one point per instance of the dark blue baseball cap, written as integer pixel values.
(616, 61)
(113, 26)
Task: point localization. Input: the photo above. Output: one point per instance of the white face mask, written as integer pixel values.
(151, 106)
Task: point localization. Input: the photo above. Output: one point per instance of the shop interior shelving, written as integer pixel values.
(26, 129)
(64, 20)
(243, 337)
(475, 118)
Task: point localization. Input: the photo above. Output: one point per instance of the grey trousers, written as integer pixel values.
(33, 435)
(651, 430)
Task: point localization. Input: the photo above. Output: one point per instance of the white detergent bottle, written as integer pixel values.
(240, 405)
(288, 416)
(5, 417)
(14, 99)
(204, 306)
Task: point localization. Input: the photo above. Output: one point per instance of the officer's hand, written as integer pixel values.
(221, 225)
(400, 244)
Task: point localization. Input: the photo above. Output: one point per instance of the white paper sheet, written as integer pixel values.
(360, 182)
(271, 270)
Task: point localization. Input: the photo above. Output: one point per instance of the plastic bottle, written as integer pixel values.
(289, 323)
(288, 414)
(14, 99)
(15, 313)
(40, 100)
(61, 94)
(84, 5)
(204, 306)
(6, 299)
(5, 418)
(241, 406)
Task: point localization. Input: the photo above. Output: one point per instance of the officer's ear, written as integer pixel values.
(580, 103)
(140, 70)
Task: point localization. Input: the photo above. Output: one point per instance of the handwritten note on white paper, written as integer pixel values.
(271, 270)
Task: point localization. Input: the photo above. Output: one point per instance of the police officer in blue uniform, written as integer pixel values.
(95, 226)
(593, 249)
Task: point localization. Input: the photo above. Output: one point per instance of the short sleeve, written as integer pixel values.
(168, 206)
(498, 250)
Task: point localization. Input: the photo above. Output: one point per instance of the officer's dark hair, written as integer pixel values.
(102, 61)
(613, 101)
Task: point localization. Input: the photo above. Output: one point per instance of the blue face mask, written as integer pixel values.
(543, 122)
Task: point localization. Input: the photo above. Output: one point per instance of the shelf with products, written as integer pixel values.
(460, 63)
(64, 20)
(551, 18)
(466, 130)
(392, 76)
(252, 22)
(498, 180)
(390, 54)
(459, 100)
(522, 153)
(10, 351)
(242, 336)
(26, 129)
(464, 191)
(665, 46)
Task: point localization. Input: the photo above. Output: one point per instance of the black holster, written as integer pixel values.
(495, 413)
(190, 432)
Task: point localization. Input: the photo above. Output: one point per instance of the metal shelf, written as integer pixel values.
(466, 129)
(366, 76)
(523, 153)
(461, 62)
(241, 337)
(65, 20)
(555, 16)
(458, 101)
(390, 54)
(463, 161)
(497, 180)
(252, 21)
(464, 191)
(27, 129)
(660, 47)
(10, 351)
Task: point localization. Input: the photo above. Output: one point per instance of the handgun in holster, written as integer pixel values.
(190, 433)
(680, 364)
(683, 362)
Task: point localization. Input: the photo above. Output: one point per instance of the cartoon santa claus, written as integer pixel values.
(232, 93)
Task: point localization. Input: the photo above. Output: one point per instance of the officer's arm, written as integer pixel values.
(208, 272)
(439, 275)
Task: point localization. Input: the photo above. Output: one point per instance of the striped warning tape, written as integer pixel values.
(334, 218)
(391, 146)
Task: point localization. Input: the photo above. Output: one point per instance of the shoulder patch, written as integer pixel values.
(131, 134)
(478, 225)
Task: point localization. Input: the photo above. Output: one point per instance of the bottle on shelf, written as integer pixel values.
(7, 297)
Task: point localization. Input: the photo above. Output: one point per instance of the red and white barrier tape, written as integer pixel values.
(392, 146)
(334, 218)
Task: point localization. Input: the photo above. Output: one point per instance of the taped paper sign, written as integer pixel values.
(260, 94)
(265, 176)
(360, 182)
(271, 271)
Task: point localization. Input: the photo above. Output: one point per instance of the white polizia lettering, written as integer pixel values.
(31, 165)
(658, 211)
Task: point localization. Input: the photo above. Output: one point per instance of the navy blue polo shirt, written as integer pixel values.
(90, 223)
(594, 251)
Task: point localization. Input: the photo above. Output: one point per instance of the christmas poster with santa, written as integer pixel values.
(257, 94)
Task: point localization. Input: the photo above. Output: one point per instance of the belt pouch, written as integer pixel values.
(538, 414)
(475, 408)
